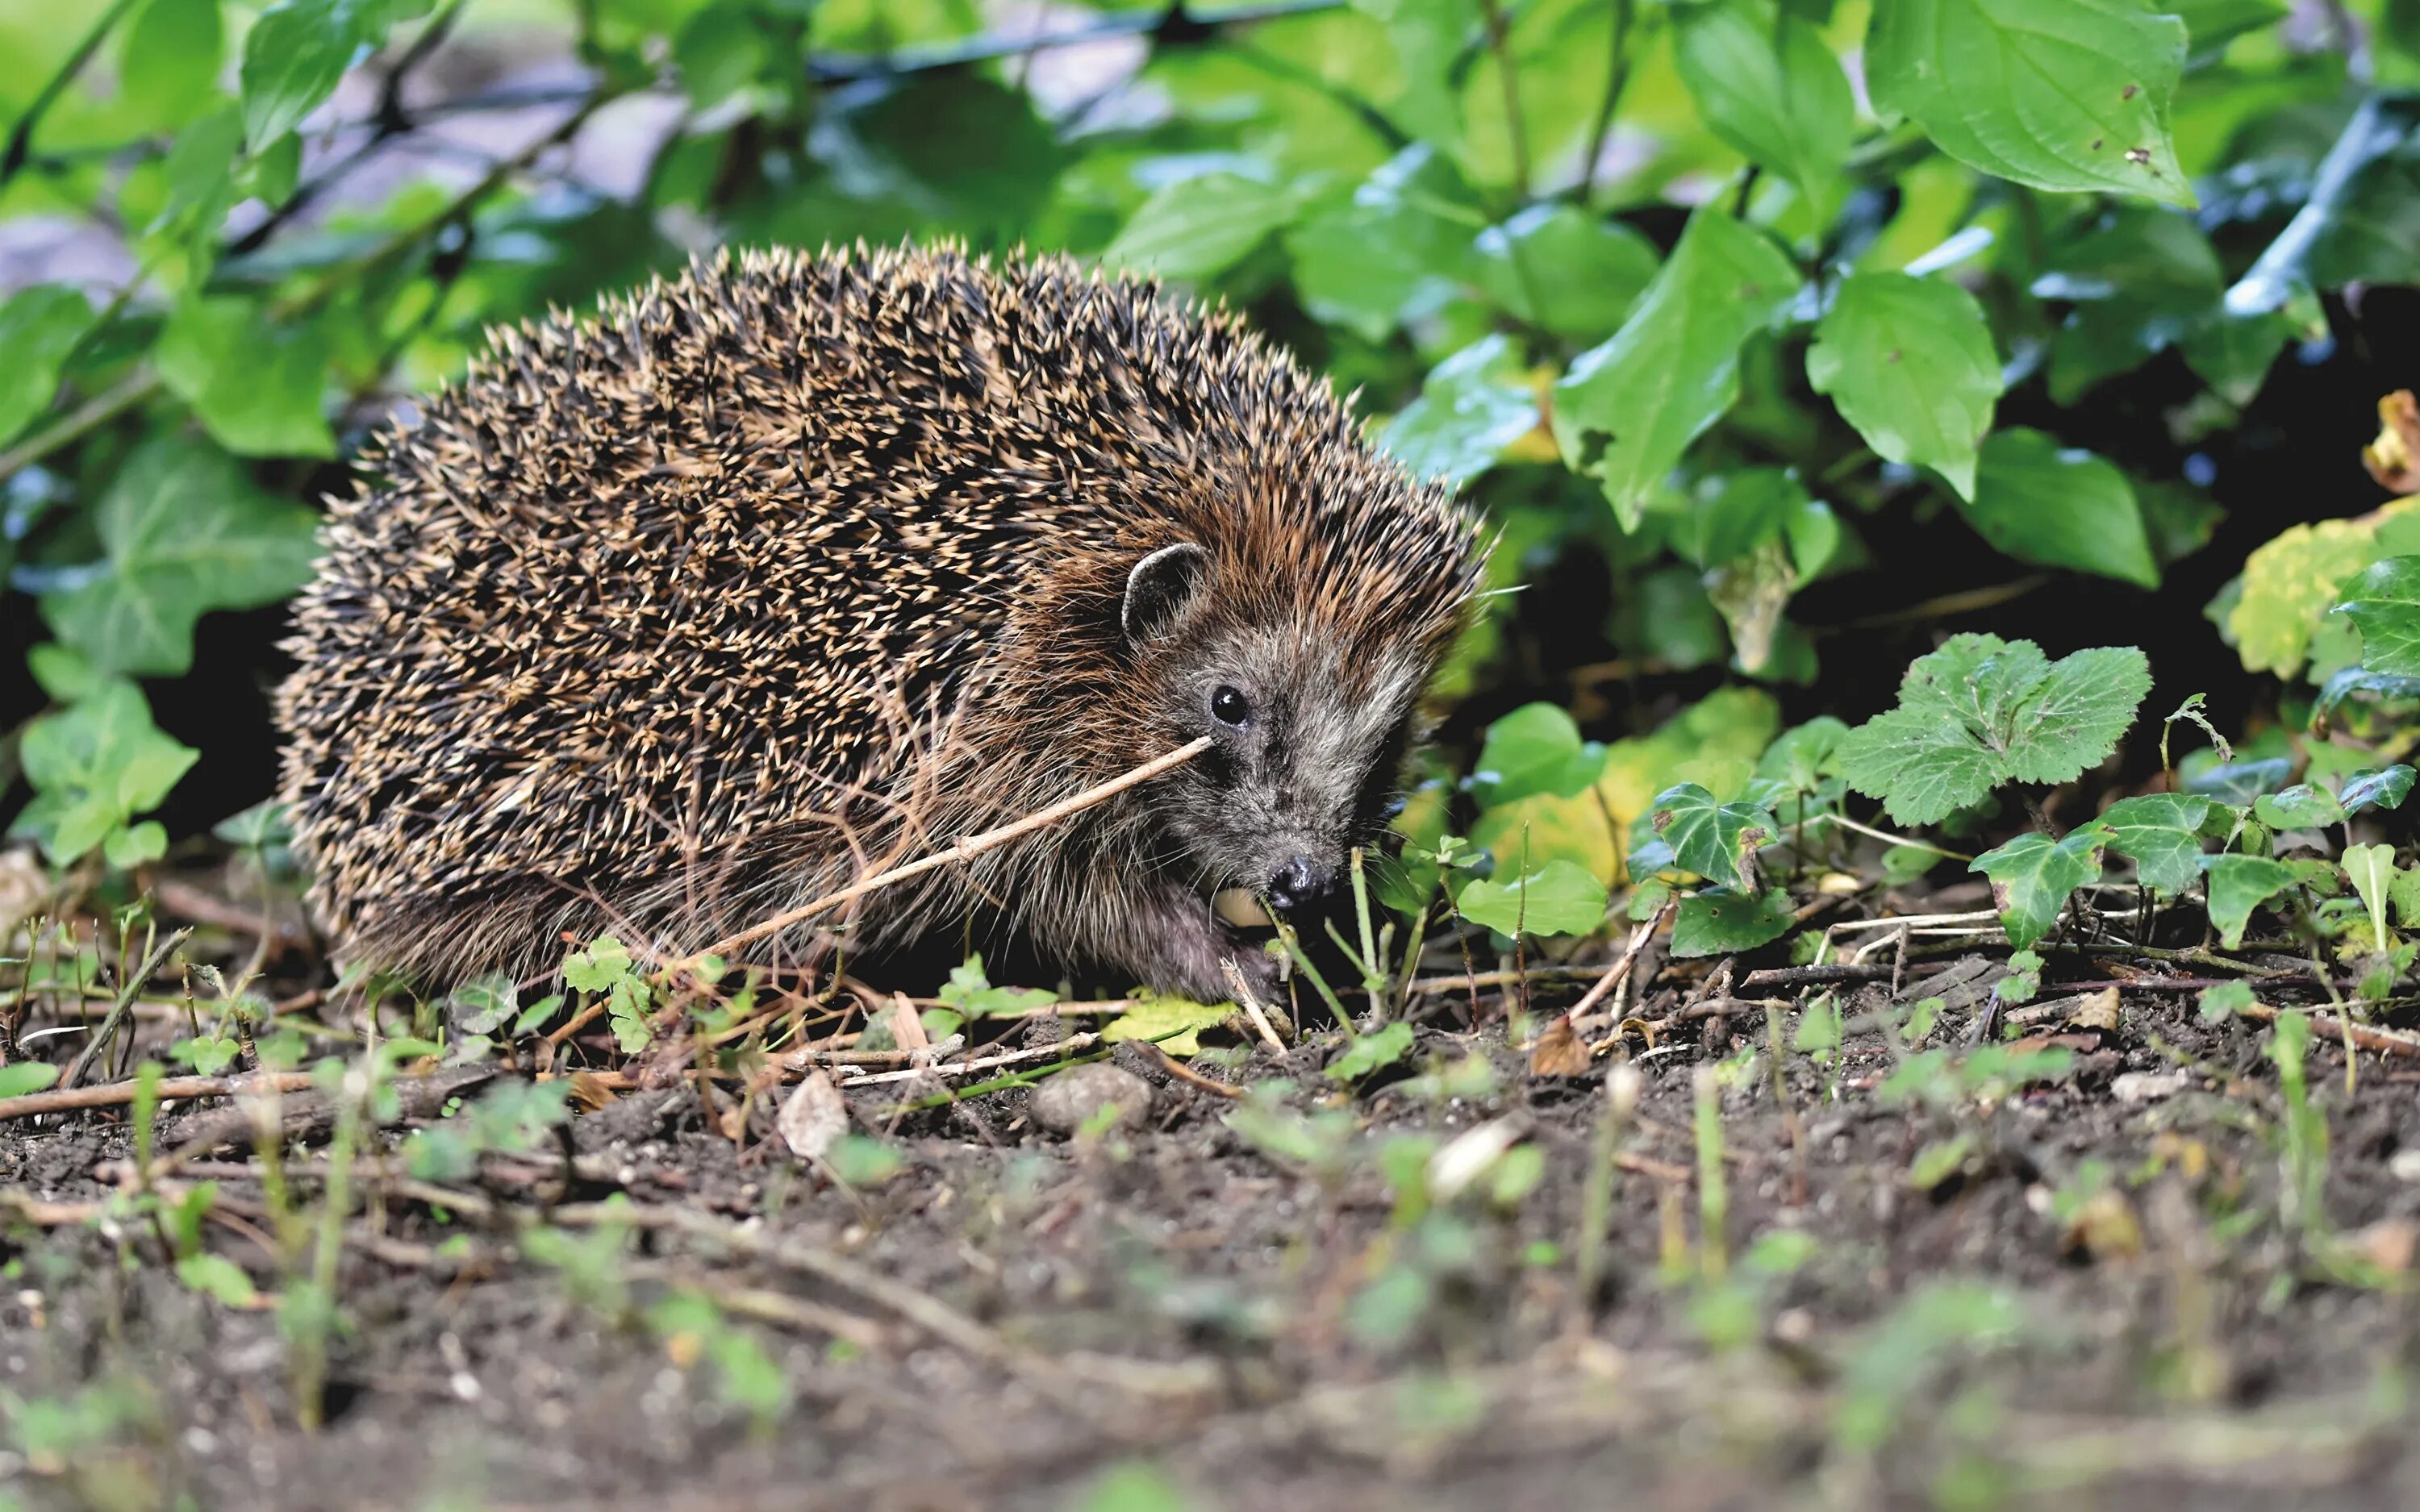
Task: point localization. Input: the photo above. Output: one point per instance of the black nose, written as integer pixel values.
(1298, 883)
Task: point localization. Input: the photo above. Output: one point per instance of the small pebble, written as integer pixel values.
(1070, 1100)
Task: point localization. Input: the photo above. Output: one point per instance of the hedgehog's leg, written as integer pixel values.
(1170, 939)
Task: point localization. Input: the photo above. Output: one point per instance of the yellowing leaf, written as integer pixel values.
(2289, 583)
(1175, 1023)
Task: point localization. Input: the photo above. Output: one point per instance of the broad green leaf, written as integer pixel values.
(2303, 806)
(2384, 789)
(258, 389)
(2058, 507)
(19, 1077)
(1535, 748)
(1910, 362)
(200, 176)
(2161, 833)
(2288, 584)
(2058, 94)
(2372, 870)
(1626, 410)
(93, 767)
(129, 846)
(1716, 841)
(2239, 884)
(1720, 922)
(1558, 898)
(1197, 228)
(1474, 405)
(184, 533)
(1980, 712)
(297, 52)
(39, 326)
(170, 67)
(1767, 83)
(2384, 604)
(1564, 271)
(1174, 1024)
(1428, 37)
(2033, 876)
(1395, 250)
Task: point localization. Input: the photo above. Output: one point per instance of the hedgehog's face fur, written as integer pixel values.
(1310, 732)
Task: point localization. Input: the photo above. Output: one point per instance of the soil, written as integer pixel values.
(2106, 1294)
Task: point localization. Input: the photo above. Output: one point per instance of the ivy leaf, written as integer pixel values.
(2058, 94)
(1473, 405)
(2056, 506)
(2384, 789)
(1571, 273)
(1197, 228)
(256, 387)
(2303, 806)
(2289, 583)
(1717, 841)
(1721, 923)
(1910, 362)
(1768, 85)
(2161, 833)
(2033, 876)
(38, 328)
(1535, 748)
(2239, 884)
(93, 767)
(1627, 410)
(185, 532)
(1980, 712)
(1559, 898)
(2384, 603)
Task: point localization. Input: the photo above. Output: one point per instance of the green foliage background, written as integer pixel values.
(1714, 293)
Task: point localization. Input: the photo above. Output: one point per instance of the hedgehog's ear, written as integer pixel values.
(1160, 588)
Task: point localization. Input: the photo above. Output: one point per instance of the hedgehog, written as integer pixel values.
(671, 618)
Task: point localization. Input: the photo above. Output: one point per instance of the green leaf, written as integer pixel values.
(1910, 362)
(1804, 755)
(1428, 37)
(1559, 898)
(2372, 870)
(1626, 410)
(297, 52)
(1396, 248)
(1197, 228)
(39, 326)
(1535, 748)
(2058, 94)
(2058, 507)
(1474, 405)
(93, 767)
(1980, 712)
(1717, 841)
(1564, 270)
(2033, 876)
(2161, 833)
(599, 967)
(2384, 603)
(1721, 923)
(2384, 789)
(21, 1077)
(170, 67)
(132, 845)
(1766, 84)
(185, 532)
(1372, 1052)
(1174, 1024)
(255, 387)
(2239, 884)
(2303, 806)
(218, 1279)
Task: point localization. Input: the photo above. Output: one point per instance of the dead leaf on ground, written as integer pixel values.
(2394, 459)
(1559, 1051)
(812, 1117)
(2388, 1244)
(2095, 1012)
(589, 1092)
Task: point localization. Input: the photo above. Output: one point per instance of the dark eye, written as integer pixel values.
(1228, 706)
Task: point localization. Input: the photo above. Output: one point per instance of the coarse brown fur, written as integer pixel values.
(668, 619)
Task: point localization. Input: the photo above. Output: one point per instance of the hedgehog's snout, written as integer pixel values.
(1299, 882)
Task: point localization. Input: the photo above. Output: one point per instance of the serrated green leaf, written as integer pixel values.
(1766, 82)
(1626, 410)
(2384, 789)
(256, 387)
(1558, 898)
(2161, 833)
(1474, 405)
(2303, 806)
(1198, 228)
(1721, 923)
(2056, 506)
(2058, 94)
(185, 532)
(597, 967)
(1980, 712)
(1535, 748)
(94, 766)
(39, 328)
(2384, 603)
(2239, 884)
(2033, 876)
(1564, 270)
(1910, 362)
(1716, 841)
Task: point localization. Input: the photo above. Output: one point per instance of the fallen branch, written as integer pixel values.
(2381, 1041)
(960, 1068)
(967, 849)
(1621, 967)
(117, 1094)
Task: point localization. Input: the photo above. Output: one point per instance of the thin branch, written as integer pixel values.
(1499, 43)
(1617, 81)
(1621, 967)
(117, 1094)
(127, 992)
